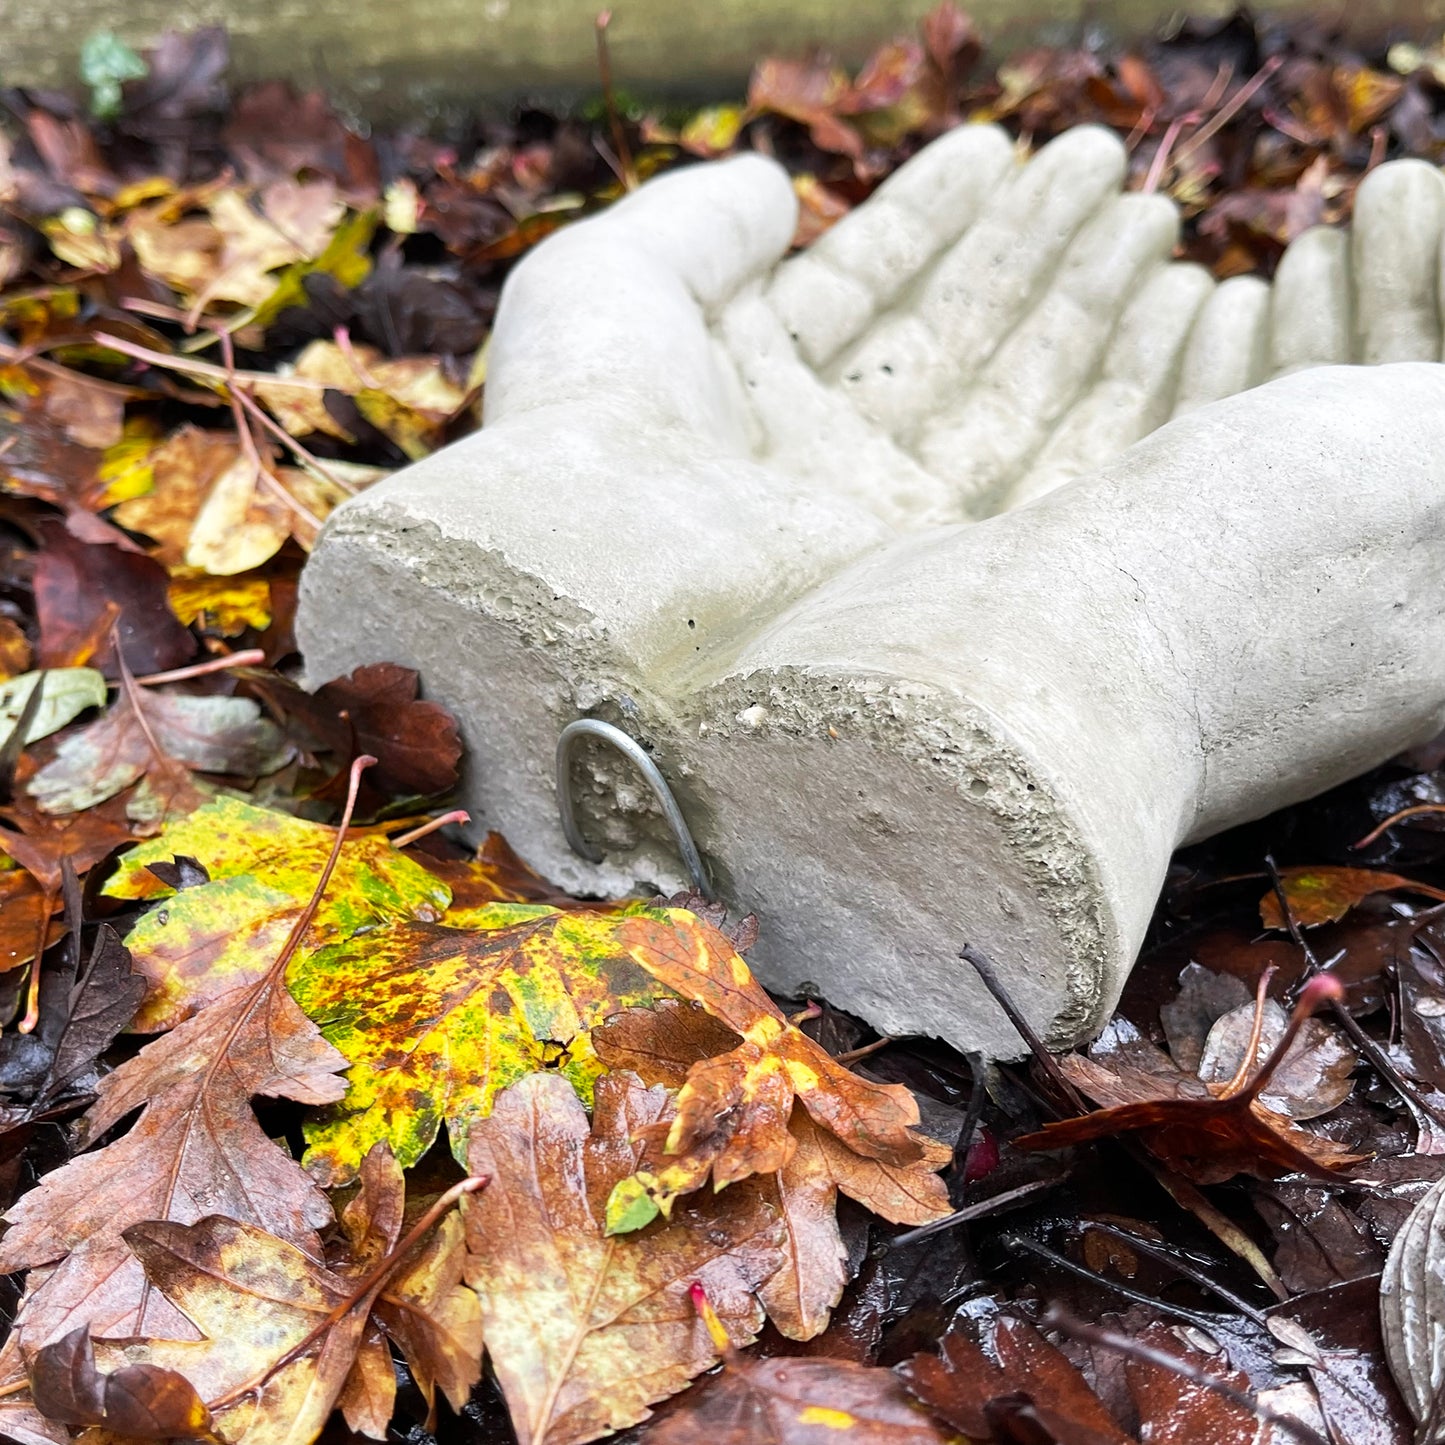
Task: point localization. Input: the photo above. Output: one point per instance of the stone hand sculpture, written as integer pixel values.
(801, 528)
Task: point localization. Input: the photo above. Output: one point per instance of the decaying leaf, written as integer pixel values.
(65, 693)
(1022, 1374)
(1411, 1319)
(787, 1401)
(160, 737)
(376, 710)
(196, 1148)
(141, 1399)
(1208, 1132)
(663, 1045)
(285, 1339)
(733, 1110)
(1322, 895)
(586, 1330)
(81, 1008)
(204, 941)
(86, 592)
(435, 1020)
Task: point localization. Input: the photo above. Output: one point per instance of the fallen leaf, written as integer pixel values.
(25, 908)
(80, 1009)
(662, 1045)
(786, 1401)
(141, 1400)
(67, 692)
(1412, 1325)
(1208, 1133)
(733, 1110)
(496, 875)
(434, 1021)
(157, 735)
(15, 654)
(375, 710)
(284, 1338)
(260, 868)
(43, 844)
(1322, 895)
(83, 591)
(1314, 1076)
(587, 1330)
(223, 606)
(195, 1148)
(1021, 1375)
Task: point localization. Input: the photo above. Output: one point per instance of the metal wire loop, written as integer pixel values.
(591, 727)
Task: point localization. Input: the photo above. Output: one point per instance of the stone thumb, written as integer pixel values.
(618, 306)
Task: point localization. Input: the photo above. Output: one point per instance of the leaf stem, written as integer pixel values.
(457, 815)
(248, 657)
(368, 1283)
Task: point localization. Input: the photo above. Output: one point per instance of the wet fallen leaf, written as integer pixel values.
(586, 1330)
(733, 1110)
(1322, 895)
(1208, 1133)
(261, 866)
(434, 1021)
(663, 1045)
(1022, 1377)
(787, 1401)
(140, 1400)
(84, 591)
(496, 875)
(1411, 1322)
(195, 1148)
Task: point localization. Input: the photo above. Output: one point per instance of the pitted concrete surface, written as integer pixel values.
(954, 572)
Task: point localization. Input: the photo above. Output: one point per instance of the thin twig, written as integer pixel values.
(248, 657)
(1231, 108)
(1010, 1197)
(851, 1056)
(1057, 1319)
(973, 1115)
(206, 369)
(248, 440)
(457, 815)
(988, 975)
(304, 455)
(1412, 812)
(1167, 1257)
(609, 99)
(1197, 1318)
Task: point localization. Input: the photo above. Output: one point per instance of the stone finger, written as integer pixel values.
(1048, 359)
(922, 357)
(829, 294)
(1395, 262)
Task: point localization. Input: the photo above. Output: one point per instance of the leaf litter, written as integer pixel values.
(268, 1023)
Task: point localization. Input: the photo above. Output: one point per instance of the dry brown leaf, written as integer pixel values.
(1322, 895)
(195, 1149)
